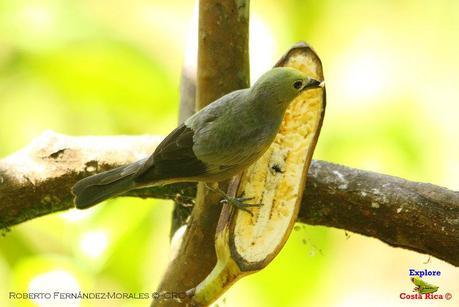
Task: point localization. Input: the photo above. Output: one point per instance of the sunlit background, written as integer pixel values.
(90, 67)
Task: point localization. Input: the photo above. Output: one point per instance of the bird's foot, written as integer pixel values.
(238, 202)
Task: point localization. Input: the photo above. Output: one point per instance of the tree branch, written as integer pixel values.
(418, 216)
(223, 67)
(36, 180)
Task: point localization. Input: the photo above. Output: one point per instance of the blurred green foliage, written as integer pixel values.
(95, 67)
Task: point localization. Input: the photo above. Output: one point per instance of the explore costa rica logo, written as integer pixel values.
(423, 289)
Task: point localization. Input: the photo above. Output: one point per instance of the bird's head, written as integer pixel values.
(281, 85)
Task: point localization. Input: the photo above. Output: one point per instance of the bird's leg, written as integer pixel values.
(238, 202)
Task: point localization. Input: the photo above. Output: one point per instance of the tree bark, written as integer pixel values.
(418, 216)
(36, 180)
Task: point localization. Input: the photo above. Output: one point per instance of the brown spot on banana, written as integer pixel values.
(245, 244)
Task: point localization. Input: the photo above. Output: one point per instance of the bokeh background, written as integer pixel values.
(113, 67)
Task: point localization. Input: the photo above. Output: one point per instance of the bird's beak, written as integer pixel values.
(313, 84)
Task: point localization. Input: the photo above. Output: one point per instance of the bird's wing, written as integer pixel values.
(173, 158)
(220, 136)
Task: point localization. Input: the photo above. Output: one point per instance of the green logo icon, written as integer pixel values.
(423, 287)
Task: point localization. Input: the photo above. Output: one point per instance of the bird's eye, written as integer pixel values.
(298, 84)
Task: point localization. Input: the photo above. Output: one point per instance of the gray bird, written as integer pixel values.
(214, 144)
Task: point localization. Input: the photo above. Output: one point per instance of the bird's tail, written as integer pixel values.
(94, 189)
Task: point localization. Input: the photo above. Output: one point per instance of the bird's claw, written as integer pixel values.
(240, 203)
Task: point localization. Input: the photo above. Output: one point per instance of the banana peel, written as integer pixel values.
(246, 243)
